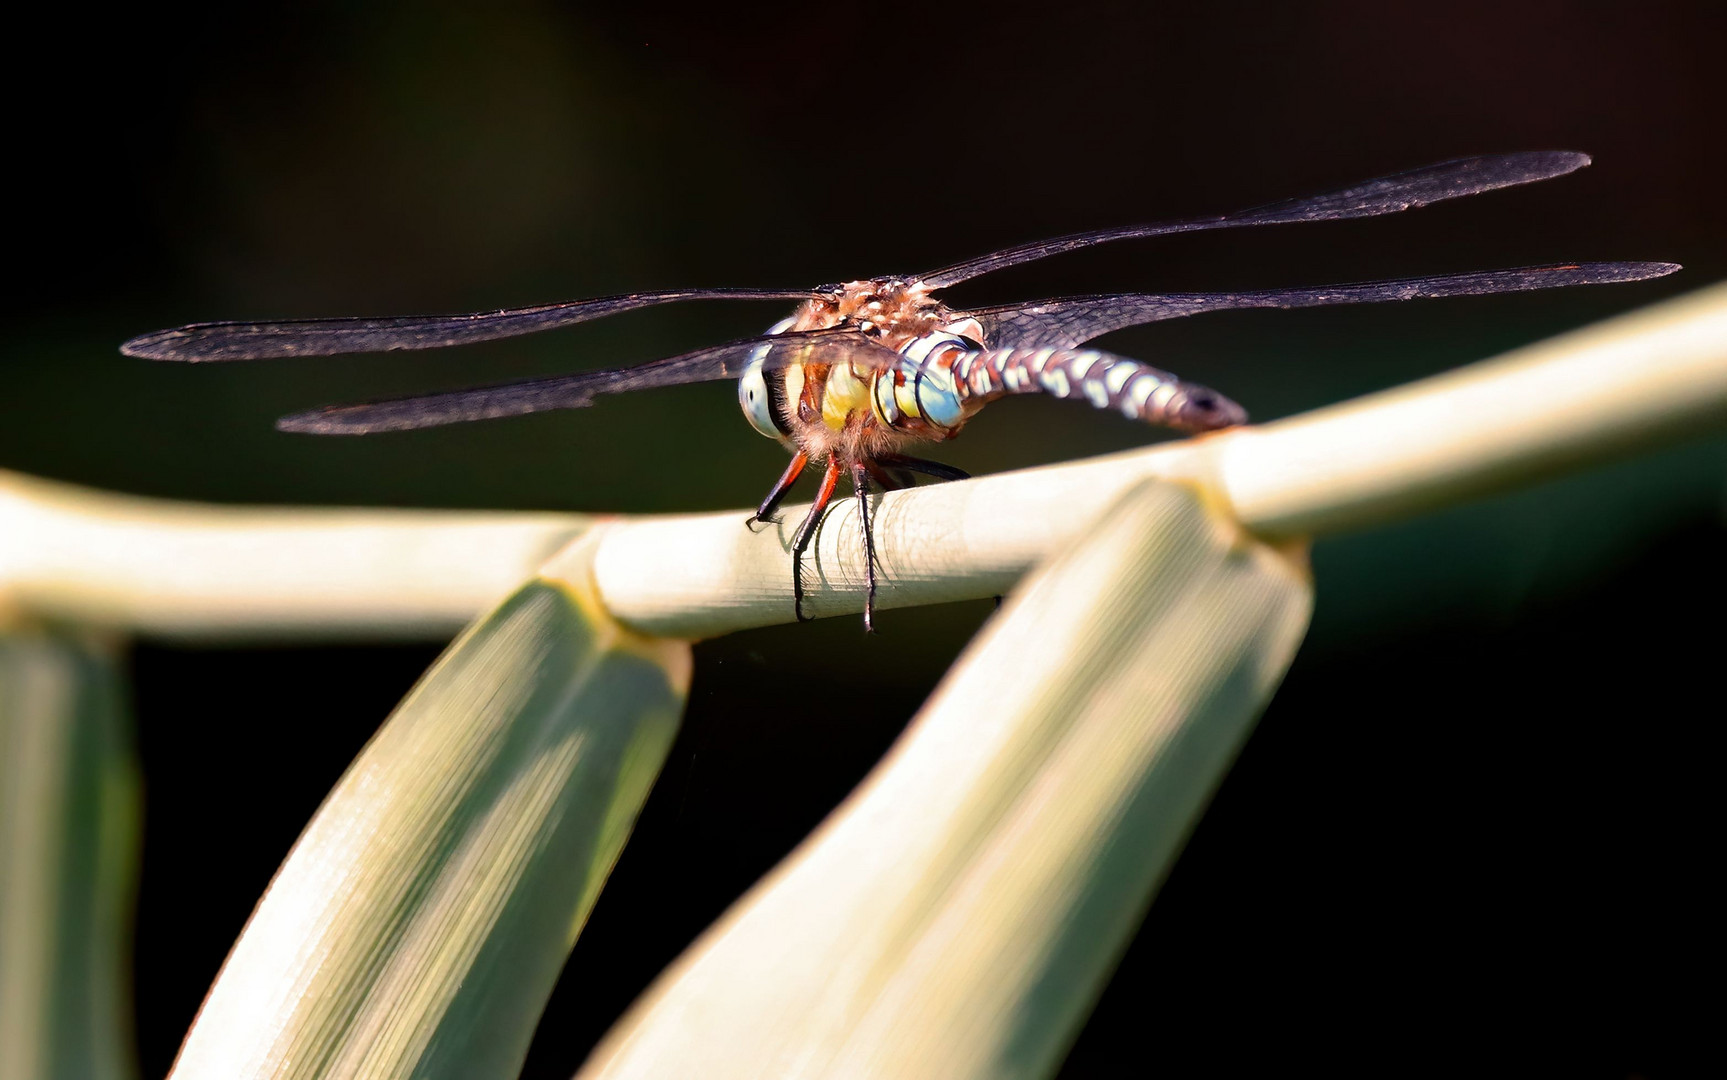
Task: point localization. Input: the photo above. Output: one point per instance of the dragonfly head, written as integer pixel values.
(760, 391)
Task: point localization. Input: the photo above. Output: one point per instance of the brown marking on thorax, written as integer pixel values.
(894, 311)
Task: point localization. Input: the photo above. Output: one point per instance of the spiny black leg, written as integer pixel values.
(801, 540)
(928, 468)
(780, 488)
(891, 479)
(887, 481)
(860, 484)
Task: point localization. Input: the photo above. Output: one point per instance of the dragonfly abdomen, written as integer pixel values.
(1105, 380)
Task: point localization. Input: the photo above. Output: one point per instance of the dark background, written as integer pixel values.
(1475, 823)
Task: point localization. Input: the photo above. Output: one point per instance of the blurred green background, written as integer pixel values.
(1477, 801)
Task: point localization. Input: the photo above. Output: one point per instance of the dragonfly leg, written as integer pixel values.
(801, 540)
(860, 484)
(919, 465)
(888, 480)
(781, 487)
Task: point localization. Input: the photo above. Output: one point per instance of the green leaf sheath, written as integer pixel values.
(421, 920)
(960, 913)
(69, 813)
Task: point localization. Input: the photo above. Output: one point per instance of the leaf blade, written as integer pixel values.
(422, 918)
(957, 916)
(69, 840)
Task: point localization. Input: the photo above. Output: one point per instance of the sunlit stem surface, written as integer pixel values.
(203, 572)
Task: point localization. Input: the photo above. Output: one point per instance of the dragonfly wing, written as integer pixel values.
(1066, 322)
(830, 346)
(1387, 195)
(328, 337)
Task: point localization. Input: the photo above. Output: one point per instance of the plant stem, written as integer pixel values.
(190, 570)
(1629, 383)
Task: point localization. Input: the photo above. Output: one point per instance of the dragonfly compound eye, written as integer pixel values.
(756, 389)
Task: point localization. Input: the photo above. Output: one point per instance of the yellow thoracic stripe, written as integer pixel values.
(845, 392)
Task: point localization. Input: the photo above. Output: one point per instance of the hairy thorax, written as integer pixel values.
(894, 311)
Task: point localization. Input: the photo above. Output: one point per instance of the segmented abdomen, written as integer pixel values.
(943, 379)
(1138, 391)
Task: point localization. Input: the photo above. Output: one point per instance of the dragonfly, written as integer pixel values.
(863, 370)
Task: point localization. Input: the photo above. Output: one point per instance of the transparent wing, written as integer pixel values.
(1065, 322)
(831, 346)
(328, 337)
(1388, 195)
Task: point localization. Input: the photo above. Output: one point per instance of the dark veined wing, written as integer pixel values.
(1065, 322)
(1387, 195)
(328, 337)
(830, 346)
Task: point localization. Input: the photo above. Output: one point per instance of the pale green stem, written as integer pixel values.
(188, 570)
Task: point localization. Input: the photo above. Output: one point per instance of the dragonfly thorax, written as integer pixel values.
(860, 408)
(892, 310)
